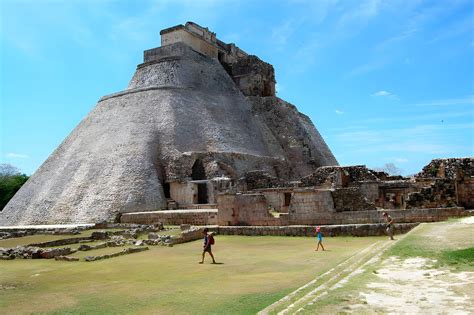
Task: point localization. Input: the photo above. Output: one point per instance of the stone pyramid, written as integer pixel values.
(195, 102)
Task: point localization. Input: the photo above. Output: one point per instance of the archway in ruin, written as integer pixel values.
(199, 174)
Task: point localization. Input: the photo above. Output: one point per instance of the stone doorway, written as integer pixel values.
(167, 190)
(202, 193)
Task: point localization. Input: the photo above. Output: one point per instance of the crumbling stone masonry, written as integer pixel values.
(351, 194)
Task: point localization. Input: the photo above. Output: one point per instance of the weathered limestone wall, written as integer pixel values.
(305, 230)
(248, 209)
(293, 132)
(182, 193)
(253, 76)
(448, 168)
(308, 203)
(447, 181)
(338, 176)
(370, 190)
(172, 217)
(258, 179)
(440, 192)
(309, 206)
(199, 40)
(350, 199)
(400, 216)
(465, 192)
(278, 199)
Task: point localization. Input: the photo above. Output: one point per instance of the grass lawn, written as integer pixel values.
(254, 272)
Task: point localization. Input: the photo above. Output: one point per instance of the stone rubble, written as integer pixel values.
(29, 252)
(123, 252)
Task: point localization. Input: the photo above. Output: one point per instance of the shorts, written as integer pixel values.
(208, 249)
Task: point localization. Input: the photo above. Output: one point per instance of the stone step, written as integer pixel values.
(199, 206)
(173, 217)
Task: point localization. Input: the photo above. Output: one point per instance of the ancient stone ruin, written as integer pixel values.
(196, 116)
(199, 137)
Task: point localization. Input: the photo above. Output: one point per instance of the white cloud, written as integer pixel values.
(381, 93)
(468, 100)
(386, 94)
(17, 156)
(339, 112)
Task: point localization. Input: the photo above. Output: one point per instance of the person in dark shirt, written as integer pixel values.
(208, 241)
(389, 225)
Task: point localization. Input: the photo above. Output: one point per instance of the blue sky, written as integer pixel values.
(383, 81)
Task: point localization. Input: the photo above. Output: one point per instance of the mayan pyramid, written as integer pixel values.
(196, 116)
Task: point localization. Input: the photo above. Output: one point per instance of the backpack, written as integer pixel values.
(211, 239)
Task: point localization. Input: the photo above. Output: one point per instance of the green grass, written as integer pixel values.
(26, 240)
(461, 256)
(255, 272)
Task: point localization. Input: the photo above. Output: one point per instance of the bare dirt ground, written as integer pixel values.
(414, 286)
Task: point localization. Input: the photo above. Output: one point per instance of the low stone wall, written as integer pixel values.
(375, 216)
(399, 216)
(62, 242)
(244, 209)
(307, 230)
(29, 252)
(126, 251)
(190, 235)
(172, 217)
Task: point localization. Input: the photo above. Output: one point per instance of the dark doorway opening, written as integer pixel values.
(220, 56)
(198, 171)
(202, 193)
(166, 190)
(287, 199)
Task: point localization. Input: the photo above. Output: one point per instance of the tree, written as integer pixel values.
(8, 170)
(390, 169)
(11, 181)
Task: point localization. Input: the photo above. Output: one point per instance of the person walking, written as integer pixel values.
(389, 226)
(319, 235)
(208, 242)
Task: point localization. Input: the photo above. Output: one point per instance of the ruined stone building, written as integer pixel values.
(351, 194)
(197, 115)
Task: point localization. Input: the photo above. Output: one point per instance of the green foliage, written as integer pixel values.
(9, 185)
(411, 246)
(433, 171)
(460, 256)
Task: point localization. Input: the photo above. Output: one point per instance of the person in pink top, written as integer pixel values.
(319, 235)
